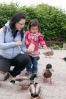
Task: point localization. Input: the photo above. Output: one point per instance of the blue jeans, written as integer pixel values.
(33, 65)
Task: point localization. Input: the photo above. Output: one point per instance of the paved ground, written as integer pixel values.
(55, 91)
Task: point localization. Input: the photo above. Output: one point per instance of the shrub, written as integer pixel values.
(52, 20)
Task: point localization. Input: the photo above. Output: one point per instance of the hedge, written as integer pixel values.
(52, 20)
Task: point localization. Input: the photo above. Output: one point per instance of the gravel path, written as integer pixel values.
(55, 91)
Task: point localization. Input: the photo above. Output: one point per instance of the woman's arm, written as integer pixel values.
(5, 45)
(23, 47)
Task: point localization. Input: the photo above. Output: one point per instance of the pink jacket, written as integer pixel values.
(35, 39)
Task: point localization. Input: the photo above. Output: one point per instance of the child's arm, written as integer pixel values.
(26, 38)
(42, 42)
(27, 43)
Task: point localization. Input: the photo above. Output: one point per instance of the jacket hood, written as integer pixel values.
(7, 24)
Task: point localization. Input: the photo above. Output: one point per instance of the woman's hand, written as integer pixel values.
(44, 47)
(18, 43)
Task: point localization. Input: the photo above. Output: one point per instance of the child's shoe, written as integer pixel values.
(28, 73)
(33, 76)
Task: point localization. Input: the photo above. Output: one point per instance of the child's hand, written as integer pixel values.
(44, 47)
(27, 43)
(29, 51)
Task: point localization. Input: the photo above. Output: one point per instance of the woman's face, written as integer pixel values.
(20, 25)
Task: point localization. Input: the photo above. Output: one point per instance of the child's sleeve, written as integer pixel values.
(41, 41)
(26, 36)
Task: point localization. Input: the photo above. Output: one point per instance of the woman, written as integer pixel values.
(12, 44)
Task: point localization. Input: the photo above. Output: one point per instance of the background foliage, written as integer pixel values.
(52, 20)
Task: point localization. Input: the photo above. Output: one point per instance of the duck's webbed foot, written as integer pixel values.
(45, 81)
(23, 88)
(50, 81)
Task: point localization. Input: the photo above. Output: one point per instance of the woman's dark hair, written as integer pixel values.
(34, 22)
(15, 19)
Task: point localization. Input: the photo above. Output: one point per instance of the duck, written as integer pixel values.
(64, 59)
(49, 53)
(48, 73)
(22, 81)
(35, 90)
(4, 76)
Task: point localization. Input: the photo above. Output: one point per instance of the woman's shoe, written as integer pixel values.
(7, 76)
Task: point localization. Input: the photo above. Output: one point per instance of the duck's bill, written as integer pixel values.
(52, 70)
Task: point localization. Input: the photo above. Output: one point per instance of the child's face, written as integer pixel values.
(34, 29)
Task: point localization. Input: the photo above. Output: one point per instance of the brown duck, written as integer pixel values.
(23, 81)
(3, 76)
(49, 53)
(48, 73)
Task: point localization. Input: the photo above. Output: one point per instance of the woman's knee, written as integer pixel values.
(4, 68)
(28, 59)
(23, 58)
